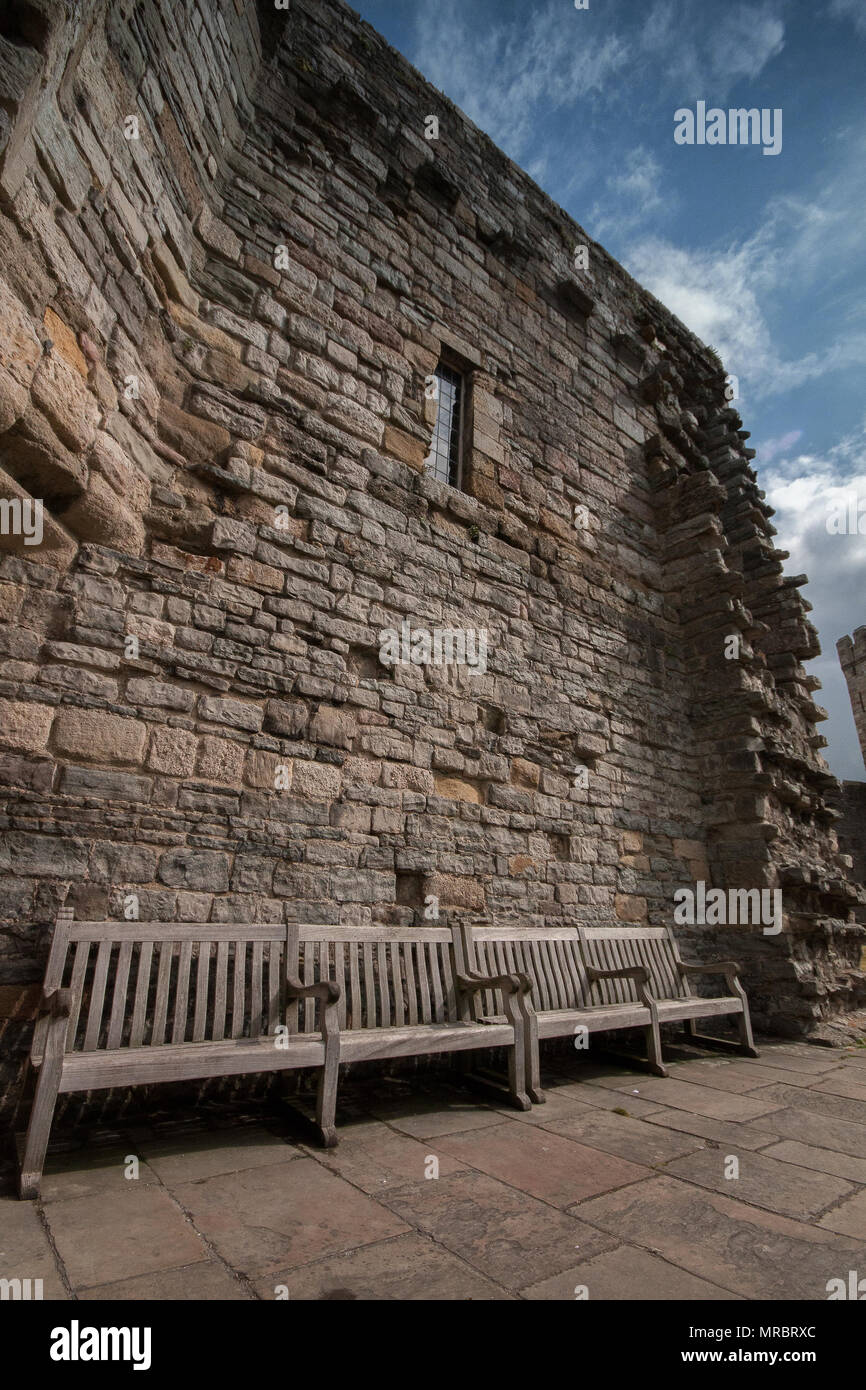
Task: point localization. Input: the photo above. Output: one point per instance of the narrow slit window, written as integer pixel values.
(443, 460)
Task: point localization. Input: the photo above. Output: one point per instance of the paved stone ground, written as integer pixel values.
(616, 1183)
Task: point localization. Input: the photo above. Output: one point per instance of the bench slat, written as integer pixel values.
(118, 1003)
(181, 998)
(238, 988)
(221, 991)
(370, 985)
(396, 980)
(256, 987)
(384, 986)
(202, 976)
(76, 984)
(163, 984)
(97, 996)
(353, 948)
(426, 1011)
(175, 932)
(275, 986)
(142, 985)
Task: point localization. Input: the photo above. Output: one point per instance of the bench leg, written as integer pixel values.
(517, 1076)
(39, 1127)
(326, 1096)
(655, 1060)
(533, 1061)
(745, 1045)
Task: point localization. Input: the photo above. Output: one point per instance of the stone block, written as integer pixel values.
(98, 736)
(199, 870)
(24, 726)
(172, 751)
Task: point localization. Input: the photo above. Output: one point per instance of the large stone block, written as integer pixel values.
(24, 726)
(98, 736)
(196, 869)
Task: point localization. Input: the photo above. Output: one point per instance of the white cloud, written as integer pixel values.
(509, 75)
(506, 75)
(633, 193)
(802, 248)
(737, 44)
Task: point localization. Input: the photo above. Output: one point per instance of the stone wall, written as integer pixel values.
(852, 655)
(215, 342)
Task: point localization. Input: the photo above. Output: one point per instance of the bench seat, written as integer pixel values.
(558, 1023)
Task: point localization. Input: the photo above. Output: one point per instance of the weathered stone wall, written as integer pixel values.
(229, 443)
(852, 829)
(852, 655)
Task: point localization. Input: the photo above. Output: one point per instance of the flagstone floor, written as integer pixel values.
(731, 1179)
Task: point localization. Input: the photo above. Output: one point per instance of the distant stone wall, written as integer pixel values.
(852, 655)
(214, 344)
(852, 831)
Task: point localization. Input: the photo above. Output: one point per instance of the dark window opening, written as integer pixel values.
(444, 459)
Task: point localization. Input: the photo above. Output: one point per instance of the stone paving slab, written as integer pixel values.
(276, 1217)
(541, 1163)
(835, 1107)
(849, 1218)
(825, 1132)
(103, 1171)
(25, 1250)
(756, 1254)
(622, 1135)
(841, 1165)
(747, 1136)
(698, 1100)
(126, 1231)
(508, 1236)
(207, 1280)
(629, 1275)
(372, 1157)
(208, 1155)
(803, 1059)
(410, 1268)
(839, 1083)
(746, 1076)
(763, 1182)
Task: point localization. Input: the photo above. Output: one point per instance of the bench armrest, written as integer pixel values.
(512, 984)
(327, 990)
(55, 1003)
(638, 973)
(729, 968)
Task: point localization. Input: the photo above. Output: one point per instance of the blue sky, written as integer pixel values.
(764, 257)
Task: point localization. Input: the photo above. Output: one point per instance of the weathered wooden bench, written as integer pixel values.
(562, 997)
(667, 991)
(139, 1003)
(605, 979)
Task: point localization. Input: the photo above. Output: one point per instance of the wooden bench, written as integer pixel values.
(666, 992)
(138, 1003)
(562, 998)
(605, 979)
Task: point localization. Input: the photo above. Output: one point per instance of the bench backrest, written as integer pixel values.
(390, 977)
(140, 984)
(550, 956)
(610, 948)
